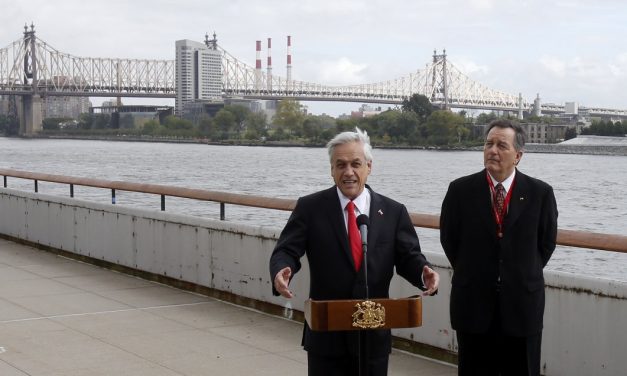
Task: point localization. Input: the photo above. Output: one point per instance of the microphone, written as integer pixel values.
(363, 222)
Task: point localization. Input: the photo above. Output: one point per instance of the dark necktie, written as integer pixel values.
(354, 238)
(499, 198)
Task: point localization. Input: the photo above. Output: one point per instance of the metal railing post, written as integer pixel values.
(36, 186)
(162, 202)
(222, 210)
(113, 196)
(5, 181)
(71, 190)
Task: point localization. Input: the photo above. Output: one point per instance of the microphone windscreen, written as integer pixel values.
(363, 220)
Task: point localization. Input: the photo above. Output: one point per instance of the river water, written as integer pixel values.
(590, 189)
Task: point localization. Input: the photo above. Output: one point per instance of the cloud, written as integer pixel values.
(482, 4)
(339, 72)
(469, 67)
(553, 65)
(619, 66)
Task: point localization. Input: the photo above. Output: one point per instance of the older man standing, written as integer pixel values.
(498, 230)
(320, 226)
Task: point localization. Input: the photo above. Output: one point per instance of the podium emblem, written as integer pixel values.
(369, 315)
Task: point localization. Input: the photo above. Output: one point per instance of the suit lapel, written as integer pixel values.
(483, 202)
(376, 217)
(335, 215)
(519, 199)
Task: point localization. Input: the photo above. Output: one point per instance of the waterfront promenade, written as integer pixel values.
(62, 317)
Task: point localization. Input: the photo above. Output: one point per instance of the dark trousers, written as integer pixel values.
(497, 354)
(318, 365)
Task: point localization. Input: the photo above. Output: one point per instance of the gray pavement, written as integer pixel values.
(63, 317)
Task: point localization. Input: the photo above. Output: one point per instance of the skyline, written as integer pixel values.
(567, 51)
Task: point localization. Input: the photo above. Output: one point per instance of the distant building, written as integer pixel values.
(198, 72)
(571, 108)
(540, 133)
(366, 111)
(4, 105)
(55, 106)
(132, 116)
(195, 110)
(65, 107)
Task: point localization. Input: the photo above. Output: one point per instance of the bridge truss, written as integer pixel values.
(443, 83)
(30, 66)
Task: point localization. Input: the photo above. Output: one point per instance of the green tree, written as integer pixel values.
(173, 123)
(442, 127)
(53, 123)
(312, 128)
(570, 133)
(419, 104)
(256, 125)
(207, 127)
(225, 123)
(344, 125)
(240, 113)
(485, 118)
(151, 127)
(85, 121)
(290, 117)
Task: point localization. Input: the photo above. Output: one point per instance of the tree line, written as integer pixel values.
(415, 123)
(606, 128)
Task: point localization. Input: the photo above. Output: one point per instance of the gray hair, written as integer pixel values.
(520, 137)
(346, 137)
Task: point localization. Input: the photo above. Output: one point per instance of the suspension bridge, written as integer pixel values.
(31, 69)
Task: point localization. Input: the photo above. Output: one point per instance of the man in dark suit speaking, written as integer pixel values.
(320, 227)
(498, 230)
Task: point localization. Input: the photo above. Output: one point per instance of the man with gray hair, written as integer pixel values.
(323, 227)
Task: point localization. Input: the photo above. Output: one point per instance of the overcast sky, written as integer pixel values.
(571, 50)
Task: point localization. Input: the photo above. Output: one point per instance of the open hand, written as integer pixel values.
(281, 282)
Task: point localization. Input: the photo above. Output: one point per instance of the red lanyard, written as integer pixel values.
(499, 216)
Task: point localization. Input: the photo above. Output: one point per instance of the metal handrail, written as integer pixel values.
(580, 239)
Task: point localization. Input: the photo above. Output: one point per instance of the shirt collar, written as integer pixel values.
(361, 202)
(507, 183)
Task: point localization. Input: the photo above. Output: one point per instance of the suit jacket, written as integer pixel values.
(493, 275)
(316, 228)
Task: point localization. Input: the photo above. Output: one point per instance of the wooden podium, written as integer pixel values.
(331, 315)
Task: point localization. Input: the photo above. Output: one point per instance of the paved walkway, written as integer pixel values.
(66, 318)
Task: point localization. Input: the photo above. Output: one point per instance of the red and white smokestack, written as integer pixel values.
(289, 58)
(269, 78)
(258, 66)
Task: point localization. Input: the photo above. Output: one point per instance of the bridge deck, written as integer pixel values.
(63, 317)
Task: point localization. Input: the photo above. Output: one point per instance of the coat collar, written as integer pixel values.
(336, 219)
(483, 201)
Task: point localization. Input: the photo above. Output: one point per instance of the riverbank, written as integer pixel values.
(568, 147)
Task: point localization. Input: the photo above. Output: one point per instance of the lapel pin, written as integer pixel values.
(522, 199)
(380, 212)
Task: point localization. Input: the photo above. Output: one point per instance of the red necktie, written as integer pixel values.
(499, 198)
(354, 238)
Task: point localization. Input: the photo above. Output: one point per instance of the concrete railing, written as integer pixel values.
(585, 318)
(615, 243)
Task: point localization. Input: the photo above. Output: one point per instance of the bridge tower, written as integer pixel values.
(31, 104)
(269, 67)
(439, 81)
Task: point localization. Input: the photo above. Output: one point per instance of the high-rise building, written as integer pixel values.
(65, 107)
(198, 72)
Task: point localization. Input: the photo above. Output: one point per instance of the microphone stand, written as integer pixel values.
(363, 223)
(363, 366)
